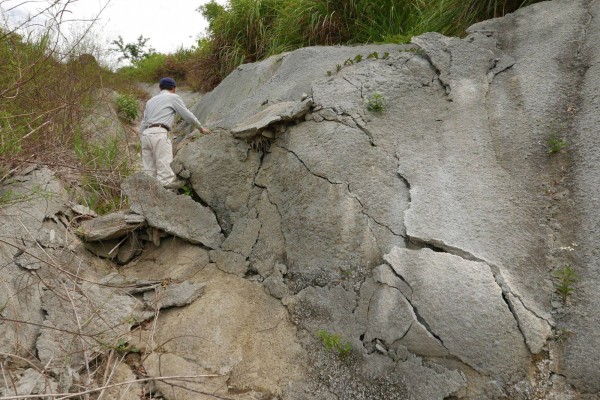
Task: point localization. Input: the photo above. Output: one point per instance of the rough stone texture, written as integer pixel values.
(323, 225)
(230, 262)
(235, 329)
(582, 350)
(30, 198)
(121, 373)
(243, 236)
(178, 215)
(110, 226)
(174, 259)
(425, 382)
(457, 163)
(174, 295)
(437, 277)
(221, 171)
(205, 386)
(85, 318)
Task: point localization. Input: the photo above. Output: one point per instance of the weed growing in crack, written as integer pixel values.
(186, 191)
(333, 342)
(561, 335)
(565, 279)
(376, 103)
(555, 143)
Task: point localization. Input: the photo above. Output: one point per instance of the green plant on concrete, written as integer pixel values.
(338, 67)
(127, 106)
(565, 279)
(555, 143)
(373, 55)
(333, 342)
(376, 103)
(358, 58)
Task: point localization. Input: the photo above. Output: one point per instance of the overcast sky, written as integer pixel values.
(169, 24)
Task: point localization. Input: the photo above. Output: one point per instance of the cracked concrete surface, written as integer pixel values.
(451, 179)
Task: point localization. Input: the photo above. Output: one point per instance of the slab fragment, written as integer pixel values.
(280, 112)
(178, 215)
(110, 226)
(462, 305)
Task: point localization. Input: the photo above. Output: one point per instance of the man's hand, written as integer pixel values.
(205, 131)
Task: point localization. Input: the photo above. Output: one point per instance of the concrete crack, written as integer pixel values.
(438, 245)
(308, 169)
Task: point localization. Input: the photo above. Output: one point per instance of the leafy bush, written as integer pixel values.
(127, 107)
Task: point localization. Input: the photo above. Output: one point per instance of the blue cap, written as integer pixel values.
(167, 83)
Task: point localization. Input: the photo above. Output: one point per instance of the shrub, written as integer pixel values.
(376, 103)
(127, 107)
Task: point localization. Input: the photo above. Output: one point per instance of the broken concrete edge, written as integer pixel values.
(279, 112)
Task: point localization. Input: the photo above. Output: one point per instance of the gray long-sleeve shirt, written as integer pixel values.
(161, 109)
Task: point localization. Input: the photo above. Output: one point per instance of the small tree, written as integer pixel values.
(134, 52)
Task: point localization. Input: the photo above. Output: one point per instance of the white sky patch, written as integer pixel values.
(169, 24)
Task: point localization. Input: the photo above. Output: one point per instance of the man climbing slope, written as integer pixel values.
(159, 118)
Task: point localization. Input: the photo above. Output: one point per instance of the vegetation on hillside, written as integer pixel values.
(251, 30)
(51, 82)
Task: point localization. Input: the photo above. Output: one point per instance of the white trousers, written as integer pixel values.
(157, 155)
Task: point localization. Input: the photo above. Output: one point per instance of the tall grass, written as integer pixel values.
(250, 30)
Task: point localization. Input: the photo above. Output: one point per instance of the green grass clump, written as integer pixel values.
(555, 143)
(333, 342)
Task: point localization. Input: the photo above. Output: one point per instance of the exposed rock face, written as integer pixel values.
(458, 162)
(342, 253)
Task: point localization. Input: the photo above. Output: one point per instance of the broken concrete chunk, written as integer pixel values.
(177, 215)
(285, 111)
(243, 236)
(174, 295)
(109, 226)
